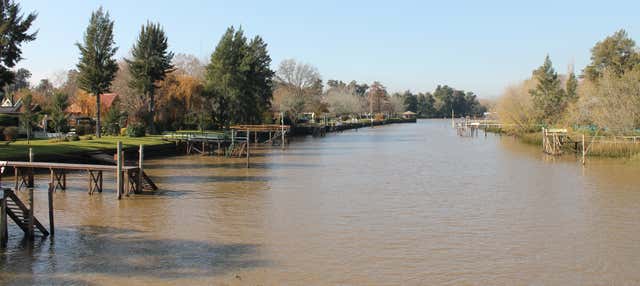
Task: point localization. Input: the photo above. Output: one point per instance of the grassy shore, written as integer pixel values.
(49, 147)
(597, 148)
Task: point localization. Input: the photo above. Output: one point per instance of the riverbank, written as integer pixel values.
(77, 151)
(321, 129)
(623, 147)
(84, 150)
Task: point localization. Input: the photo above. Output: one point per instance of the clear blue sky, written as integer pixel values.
(481, 46)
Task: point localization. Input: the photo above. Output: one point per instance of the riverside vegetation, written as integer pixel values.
(603, 103)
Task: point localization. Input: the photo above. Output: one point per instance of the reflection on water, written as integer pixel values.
(409, 204)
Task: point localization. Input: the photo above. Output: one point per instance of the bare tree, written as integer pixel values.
(298, 87)
(189, 65)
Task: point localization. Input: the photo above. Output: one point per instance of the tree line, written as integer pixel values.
(159, 90)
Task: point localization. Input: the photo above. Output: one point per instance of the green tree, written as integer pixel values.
(223, 77)
(28, 116)
(238, 79)
(59, 118)
(14, 31)
(410, 101)
(21, 81)
(616, 53)
(258, 86)
(571, 87)
(548, 97)
(97, 67)
(150, 64)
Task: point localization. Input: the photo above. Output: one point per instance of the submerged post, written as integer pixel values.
(282, 129)
(248, 144)
(119, 177)
(30, 218)
(50, 198)
(583, 149)
(140, 167)
(3, 219)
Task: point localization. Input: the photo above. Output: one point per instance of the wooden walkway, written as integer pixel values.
(24, 176)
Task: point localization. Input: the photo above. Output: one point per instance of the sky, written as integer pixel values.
(479, 46)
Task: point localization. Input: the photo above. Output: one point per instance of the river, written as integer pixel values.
(403, 204)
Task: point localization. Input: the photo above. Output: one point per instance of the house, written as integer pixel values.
(84, 112)
(9, 107)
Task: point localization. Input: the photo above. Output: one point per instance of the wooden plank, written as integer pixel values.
(66, 166)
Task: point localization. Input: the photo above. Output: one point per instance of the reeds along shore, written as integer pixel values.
(596, 146)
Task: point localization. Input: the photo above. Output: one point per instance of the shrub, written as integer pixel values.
(135, 130)
(10, 133)
(123, 131)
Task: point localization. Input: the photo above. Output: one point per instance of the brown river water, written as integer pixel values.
(404, 204)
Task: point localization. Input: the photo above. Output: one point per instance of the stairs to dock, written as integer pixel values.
(20, 213)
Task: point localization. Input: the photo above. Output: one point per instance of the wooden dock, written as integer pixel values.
(128, 178)
(234, 142)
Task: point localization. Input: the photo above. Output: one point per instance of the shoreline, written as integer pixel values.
(169, 149)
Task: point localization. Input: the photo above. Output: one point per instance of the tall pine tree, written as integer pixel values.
(14, 31)
(548, 96)
(258, 84)
(150, 63)
(238, 79)
(97, 67)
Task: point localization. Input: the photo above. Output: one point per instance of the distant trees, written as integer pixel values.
(616, 54)
(21, 81)
(377, 97)
(14, 31)
(238, 79)
(298, 88)
(442, 101)
(97, 68)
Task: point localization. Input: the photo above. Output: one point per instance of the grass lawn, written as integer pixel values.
(45, 147)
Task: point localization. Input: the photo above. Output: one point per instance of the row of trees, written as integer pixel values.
(162, 91)
(606, 96)
(442, 102)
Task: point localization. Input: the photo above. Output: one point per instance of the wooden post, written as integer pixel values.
(50, 197)
(453, 121)
(140, 168)
(583, 149)
(30, 154)
(3, 220)
(119, 175)
(282, 129)
(544, 137)
(30, 218)
(248, 144)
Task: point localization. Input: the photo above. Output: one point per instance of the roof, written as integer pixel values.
(409, 113)
(107, 99)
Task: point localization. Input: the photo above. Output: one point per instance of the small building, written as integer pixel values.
(409, 115)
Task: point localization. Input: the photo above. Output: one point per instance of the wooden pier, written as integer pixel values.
(128, 178)
(235, 142)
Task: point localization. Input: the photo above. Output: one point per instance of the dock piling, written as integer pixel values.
(119, 175)
(50, 201)
(140, 168)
